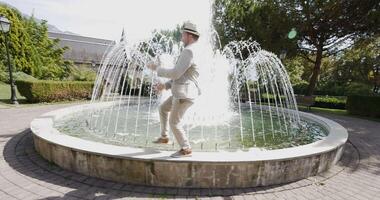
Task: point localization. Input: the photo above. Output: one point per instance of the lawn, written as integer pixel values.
(323, 110)
(5, 94)
(317, 110)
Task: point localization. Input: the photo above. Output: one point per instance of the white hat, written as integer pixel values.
(190, 28)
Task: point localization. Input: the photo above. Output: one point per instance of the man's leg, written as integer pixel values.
(164, 109)
(179, 108)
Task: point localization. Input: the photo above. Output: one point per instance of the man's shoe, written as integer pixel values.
(162, 140)
(182, 153)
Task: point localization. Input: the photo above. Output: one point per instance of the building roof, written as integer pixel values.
(82, 49)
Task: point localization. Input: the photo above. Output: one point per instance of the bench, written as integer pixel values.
(307, 101)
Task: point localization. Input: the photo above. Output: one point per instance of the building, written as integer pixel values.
(82, 50)
(88, 51)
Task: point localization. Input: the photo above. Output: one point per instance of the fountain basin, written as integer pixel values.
(222, 169)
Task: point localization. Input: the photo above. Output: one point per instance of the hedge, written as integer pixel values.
(329, 102)
(364, 105)
(353, 88)
(52, 91)
(320, 101)
(264, 98)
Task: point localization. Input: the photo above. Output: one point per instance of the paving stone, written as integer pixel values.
(25, 175)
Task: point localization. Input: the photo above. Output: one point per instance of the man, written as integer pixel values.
(184, 86)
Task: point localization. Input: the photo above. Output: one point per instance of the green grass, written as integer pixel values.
(5, 94)
(335, 112)
(324, 110)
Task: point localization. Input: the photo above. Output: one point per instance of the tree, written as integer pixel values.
(295, 68)
(165, 39)
(31, 50)
(324, 27)
(258, 20)
(357, 64)
(174, 34)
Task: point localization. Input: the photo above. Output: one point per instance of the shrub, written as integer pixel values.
(364, 105)
(135, 91)
(333, 90)
(300, 88)
(330, 102)
(271, 98)
(263, 97)
(358, 89)
(22, 76)
(4, 76)
(51, 91)
(81, 73)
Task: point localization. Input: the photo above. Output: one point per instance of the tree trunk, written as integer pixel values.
(317, 68)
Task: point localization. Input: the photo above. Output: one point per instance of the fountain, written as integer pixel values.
(245, 128)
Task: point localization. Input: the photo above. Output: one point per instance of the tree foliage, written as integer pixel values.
(324, 27)
(32, 52)
(174, 34)
(259, 20)
(356, 64)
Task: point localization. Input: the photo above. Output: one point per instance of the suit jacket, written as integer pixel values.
(184, 76)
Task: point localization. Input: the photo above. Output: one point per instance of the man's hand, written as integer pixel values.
(159, 87)
(152, 66)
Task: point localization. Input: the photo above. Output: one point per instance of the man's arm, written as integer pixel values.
(180, 68)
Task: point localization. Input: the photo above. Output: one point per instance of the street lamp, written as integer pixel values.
(5, 26)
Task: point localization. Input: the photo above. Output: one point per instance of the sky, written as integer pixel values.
(106, 18)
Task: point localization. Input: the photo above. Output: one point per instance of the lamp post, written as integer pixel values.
(5, 26)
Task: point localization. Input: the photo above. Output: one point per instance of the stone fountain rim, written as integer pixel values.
(42, 127)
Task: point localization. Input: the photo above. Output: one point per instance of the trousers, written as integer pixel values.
(177, 109)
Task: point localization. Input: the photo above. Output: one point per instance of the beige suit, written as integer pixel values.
(184, 86)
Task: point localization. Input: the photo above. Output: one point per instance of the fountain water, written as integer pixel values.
(245, 128)
(236, 80)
